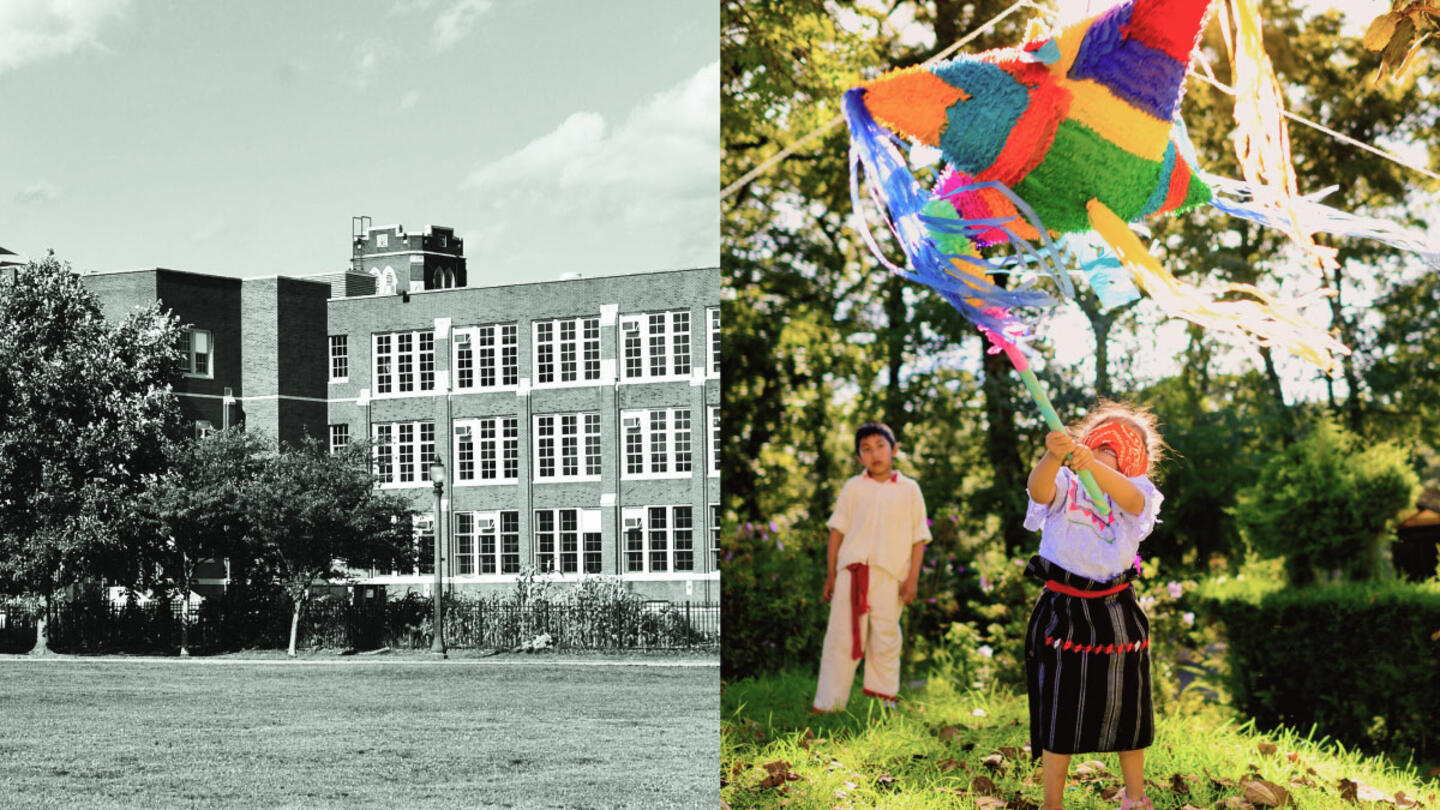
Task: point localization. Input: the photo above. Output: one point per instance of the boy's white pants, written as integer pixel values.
(879, 638)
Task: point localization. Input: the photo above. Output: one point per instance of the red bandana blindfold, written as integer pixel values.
(1130, 452)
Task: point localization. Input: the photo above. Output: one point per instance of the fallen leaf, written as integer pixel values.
(1265, 748)
(946, 765)
(1178, 782)
(885, 780)
(1109, 793)
(1402, 800)
(1189, 806)
(1022, 803)
(773, 780)
(994, 762)
(1292, 756)
(778, 765)
(982, 784)
(1010, 753)
(949, 731)
(989, 803)
(1265, 794)
(1218, 781)
(1348, 790)
(1302, 780)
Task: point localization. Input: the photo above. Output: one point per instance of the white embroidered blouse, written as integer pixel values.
(1076, 538)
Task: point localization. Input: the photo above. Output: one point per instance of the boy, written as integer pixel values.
(877, 538)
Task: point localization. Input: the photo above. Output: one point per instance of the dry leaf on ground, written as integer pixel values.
(1265, 748)
(982, 784)
(1265, 794)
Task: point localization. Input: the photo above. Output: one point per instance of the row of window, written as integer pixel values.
(566, 351)
(657, 539)
(657, 444)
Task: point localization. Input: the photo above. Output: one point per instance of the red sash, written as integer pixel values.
(859, 604)
(1060, 587)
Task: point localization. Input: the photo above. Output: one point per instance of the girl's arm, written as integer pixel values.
(1126, 495)
(1041, 485)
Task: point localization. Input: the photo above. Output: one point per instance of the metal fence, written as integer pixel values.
(219, 625)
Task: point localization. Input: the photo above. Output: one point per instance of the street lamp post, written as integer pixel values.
(437, 475)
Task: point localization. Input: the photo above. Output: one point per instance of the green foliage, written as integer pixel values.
(774, 578)
(85, 406)
(1327, 501)
(1358, 660)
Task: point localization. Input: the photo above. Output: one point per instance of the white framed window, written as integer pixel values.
(339, 358)
(487, 357)
(403, 451)
(712, 314)
(656, 345)
(404, 362)
(487, 451)
(567, 351)
(487, 543)
(339, 437)
(382, 240)
(567, 447)
(658, 539)
(199, 354)
(656, 443)
(423, 543)
(714, 537)
(714, 440)
(567, 540)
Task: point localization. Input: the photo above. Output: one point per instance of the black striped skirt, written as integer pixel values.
(1087, 666)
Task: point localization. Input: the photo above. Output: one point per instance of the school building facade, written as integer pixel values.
(577, 419)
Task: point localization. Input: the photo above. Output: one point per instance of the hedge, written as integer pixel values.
(1358, 661)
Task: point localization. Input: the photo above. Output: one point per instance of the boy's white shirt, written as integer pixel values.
(881, 521)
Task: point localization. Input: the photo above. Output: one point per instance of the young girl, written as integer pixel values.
(1087, 650)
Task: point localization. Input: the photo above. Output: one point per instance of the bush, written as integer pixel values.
(1327, 502)
(1317, 655)
(774, 618)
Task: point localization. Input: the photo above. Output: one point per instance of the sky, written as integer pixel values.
(239, 139)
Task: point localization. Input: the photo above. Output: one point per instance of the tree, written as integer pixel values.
(85, 407)
(1327, 501)
(196, 506)
(309, 510)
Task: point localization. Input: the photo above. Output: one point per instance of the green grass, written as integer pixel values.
(327, 732)
(870, 757)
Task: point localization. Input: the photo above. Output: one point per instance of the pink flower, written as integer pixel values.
(1176, 589)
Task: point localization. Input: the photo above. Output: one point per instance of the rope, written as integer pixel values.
(790, 150)
(1210, 80)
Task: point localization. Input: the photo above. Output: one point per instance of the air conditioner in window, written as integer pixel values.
(487, 524)
(632, 423)
(632, 524)
(462, 432)
(630, 326)
(462, 338)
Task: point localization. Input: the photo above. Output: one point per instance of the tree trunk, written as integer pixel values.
(42, 632)
(185, 576)
(295, 624)
(895, 344)
(1002, 445)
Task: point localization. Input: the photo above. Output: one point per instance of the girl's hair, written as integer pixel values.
(1136, 416)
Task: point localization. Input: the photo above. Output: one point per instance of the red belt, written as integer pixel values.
(859, 604)
(1060, 587)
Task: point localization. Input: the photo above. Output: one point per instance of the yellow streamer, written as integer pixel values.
(1259, 319)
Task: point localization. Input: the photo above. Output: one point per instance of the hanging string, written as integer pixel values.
(790, 150)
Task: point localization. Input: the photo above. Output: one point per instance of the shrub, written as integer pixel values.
(774, 618)
(1327, 502)
(1358, 660)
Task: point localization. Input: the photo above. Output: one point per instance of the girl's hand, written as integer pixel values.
(829, 590)
(1081, 457)
(908, 591)
(1059, 443)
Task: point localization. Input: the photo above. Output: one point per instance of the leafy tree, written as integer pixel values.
(85, 406)
(1327, 501)
(196, 505)
(309, 511)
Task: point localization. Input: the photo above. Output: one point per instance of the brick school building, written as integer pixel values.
(577, 418)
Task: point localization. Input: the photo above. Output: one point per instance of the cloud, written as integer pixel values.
(366, 63)
(33, 30)
(456, 22)
(666, 150)
(409, 101)
(40, 191)
(654, 178)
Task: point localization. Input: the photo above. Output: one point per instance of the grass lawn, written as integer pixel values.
(398, 732)
(945, 748)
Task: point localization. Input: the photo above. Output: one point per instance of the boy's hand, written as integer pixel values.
(908, 591)
(1080, 458)
(829, 589)
(1059, 443)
